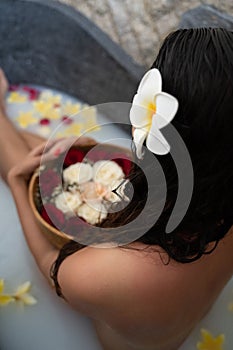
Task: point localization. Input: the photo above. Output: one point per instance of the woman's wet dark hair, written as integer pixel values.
(196, 66)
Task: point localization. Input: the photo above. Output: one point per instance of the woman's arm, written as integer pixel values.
(88, 278)
(98, 282)
(43, 251)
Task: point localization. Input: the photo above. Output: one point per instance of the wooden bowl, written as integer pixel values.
(56, 237)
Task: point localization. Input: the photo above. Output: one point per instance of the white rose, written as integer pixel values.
(92, 214)
(79, 173)
(106, 172)
(92, 192)
(68, 202)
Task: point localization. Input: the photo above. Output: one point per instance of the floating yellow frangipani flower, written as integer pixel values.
(90, 126)
(50, 98)
(89, 111)
(53, 113)
(85, 106)
(22, 294)
(72, 130)
(44, 131)
(60, 134)
(43, 107)
(4, 298)
(16, 97)
(25, 119)
(71, 108)
(90, 120)
(209, 342)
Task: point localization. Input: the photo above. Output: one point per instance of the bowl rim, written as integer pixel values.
(37, 214)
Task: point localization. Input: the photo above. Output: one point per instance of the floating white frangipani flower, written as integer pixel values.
(151, 110)
(22, 294)
(5, 299)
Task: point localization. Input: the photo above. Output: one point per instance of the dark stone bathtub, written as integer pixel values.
(50, 44)
(206, 16)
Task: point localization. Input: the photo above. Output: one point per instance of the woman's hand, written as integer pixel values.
(64, 144)
(31, 162)
(41, 154)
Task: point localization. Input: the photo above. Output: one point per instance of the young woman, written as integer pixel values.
(151, 296)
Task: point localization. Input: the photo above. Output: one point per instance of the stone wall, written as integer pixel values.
(139, 26)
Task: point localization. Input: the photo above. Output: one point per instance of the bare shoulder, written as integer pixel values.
(102, 268)
(102, 282)
(115, 278)
(135, 293)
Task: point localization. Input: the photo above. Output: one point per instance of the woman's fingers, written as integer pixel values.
(51, 149)
(27, 167)
(31, 165)
(44, 147)
(62, 145)
(84, 140)
(65, 144)
(48, 156)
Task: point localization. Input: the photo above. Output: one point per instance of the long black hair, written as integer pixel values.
(196, 66)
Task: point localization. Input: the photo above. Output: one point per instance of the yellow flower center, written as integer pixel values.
(151, 107)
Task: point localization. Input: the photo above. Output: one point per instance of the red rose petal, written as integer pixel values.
(13, 87)
(96, 155)
(53, 216)
(124, 163)
(26, 88)
(57, 152)
(44, 121)
(73, 156)
(67, 120)
(48, 180)
(33, 93)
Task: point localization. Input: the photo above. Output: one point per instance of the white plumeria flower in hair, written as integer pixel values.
(151, 110)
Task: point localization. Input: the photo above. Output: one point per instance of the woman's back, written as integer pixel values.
(145, 304)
